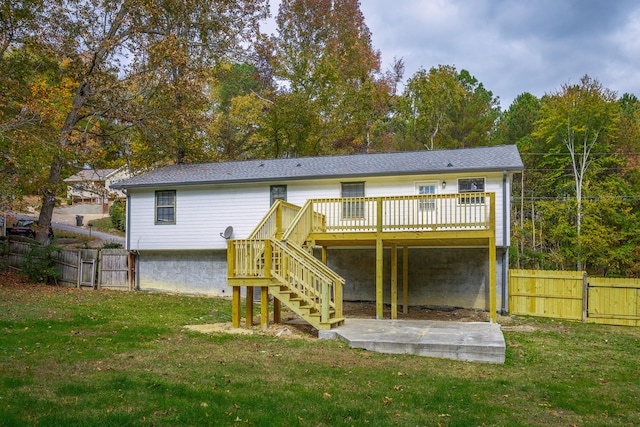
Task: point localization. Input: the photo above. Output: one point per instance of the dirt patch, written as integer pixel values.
(289, 328)
(293, 326)
(367, 310)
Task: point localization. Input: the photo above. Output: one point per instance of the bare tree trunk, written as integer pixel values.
(66, 132)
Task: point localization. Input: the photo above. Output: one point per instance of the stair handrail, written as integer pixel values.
(302, 225)
(276, 220)
(325, 290)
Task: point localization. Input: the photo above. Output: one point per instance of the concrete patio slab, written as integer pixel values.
(468, 341)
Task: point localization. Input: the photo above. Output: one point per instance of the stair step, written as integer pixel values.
(319, 314)
(335, 320)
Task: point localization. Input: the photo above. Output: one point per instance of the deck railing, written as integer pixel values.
(305, 221)
(277, 219)
(404, 213)
(313, 282)
(318, 286)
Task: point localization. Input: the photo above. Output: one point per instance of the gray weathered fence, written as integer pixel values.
(95, 268)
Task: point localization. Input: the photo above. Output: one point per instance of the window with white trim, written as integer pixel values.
(352, 208)
(471, 185)
(278, 192)
(426, 188)
(166, 207)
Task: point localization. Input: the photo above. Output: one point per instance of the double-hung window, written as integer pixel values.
(353, 208)
(426, 188)
(166, 207)
(278, 192)
(471, 185)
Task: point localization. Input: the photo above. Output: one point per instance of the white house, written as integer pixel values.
(444, 214)
(95, 185)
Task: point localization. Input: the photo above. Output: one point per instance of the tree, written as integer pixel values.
(330, 95)
(579, 119)
(446, 109)
(475, 118)
(118, 52)
(428, 103)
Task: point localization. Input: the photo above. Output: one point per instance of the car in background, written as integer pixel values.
(26, 228)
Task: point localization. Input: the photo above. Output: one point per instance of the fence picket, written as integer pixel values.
(569, 295)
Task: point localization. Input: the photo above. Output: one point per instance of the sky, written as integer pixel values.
(512, 46)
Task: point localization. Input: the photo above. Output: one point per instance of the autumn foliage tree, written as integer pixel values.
(331, 87)
(127, 62)
(444, 108)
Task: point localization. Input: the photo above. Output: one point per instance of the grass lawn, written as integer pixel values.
(107, 358)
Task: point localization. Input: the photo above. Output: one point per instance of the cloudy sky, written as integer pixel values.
(513, 46)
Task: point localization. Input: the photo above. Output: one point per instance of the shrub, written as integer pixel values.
(40, 266)
(117, 214)
(112, 245)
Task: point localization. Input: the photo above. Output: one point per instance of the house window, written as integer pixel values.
(426, 188)
(166, 207)
(471, 185)
(353, 208)
(278, 192)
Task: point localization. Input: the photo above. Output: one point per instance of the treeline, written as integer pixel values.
(107, 83)
(577, 204)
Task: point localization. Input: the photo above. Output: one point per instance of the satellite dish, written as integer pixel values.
(227, 233)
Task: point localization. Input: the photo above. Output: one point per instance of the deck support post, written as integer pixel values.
(264, 308)
(324, 255)
(405, 279)
(379, 263)
(379, 279)
(394, 281)
(492, 260)
(277, 312)
(492, 279)
(235, 307)
(249, 307)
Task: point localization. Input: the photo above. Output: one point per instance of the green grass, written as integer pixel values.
(88, 358)
(106, 226)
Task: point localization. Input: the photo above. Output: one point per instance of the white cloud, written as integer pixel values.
(513, 46)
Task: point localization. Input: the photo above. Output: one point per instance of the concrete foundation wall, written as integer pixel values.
(193, 272)
(438, 277)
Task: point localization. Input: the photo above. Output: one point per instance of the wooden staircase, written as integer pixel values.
(271, 258)
(306, 311)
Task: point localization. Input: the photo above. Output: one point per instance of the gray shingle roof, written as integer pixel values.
(498, 158)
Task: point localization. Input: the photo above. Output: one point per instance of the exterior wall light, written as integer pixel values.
(444, 184)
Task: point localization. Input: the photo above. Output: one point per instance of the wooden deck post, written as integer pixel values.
(405, 279)
(264, 308)
(492, 279)
(235, 307)
(324, 255)
(249, 307)
(394, 281)
(277, 311)
(379, 263)
(492, 260)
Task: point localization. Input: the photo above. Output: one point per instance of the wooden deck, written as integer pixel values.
(465, 219)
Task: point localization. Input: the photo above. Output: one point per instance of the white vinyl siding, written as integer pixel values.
(203, 212)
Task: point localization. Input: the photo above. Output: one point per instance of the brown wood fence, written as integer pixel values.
(94, 268)
(574, 295)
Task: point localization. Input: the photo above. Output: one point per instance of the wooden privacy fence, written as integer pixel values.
(95, 268)
(574, 295)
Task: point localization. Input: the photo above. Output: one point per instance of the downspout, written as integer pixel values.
(128, 242)
(128, 221)
(505, 247)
